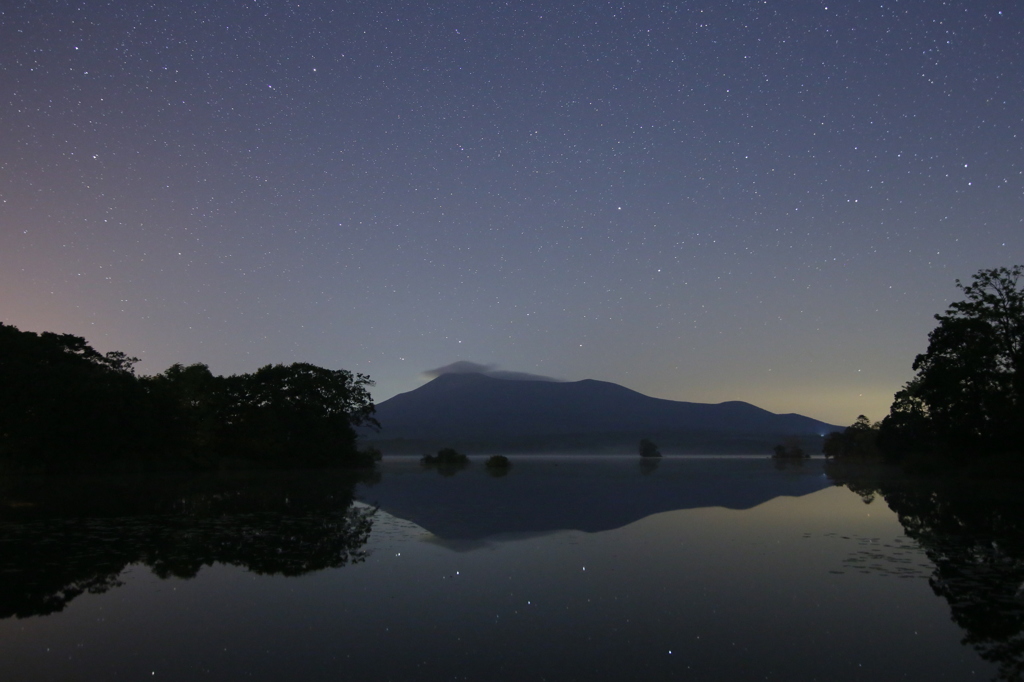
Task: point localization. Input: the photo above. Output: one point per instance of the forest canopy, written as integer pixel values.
(64, 405)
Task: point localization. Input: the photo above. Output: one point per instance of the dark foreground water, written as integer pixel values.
(563, 569)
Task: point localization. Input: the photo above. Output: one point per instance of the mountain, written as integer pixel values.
(487, 414)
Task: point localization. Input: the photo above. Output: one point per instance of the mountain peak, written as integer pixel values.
(488, 413)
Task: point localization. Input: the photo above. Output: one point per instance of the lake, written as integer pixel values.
(565, 568)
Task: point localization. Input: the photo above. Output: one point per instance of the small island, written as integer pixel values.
(447, 461)
(647, 448)
(496, 462)
(445, 457)
(789, 452)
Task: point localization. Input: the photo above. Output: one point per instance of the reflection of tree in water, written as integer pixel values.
(973, 533)
(784, 463)
(286, 524)
(648, 465)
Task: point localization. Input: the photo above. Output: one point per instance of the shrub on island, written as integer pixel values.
(447, 461)
(449, 456)
(498, 465)
(647, 448)
(790, 451)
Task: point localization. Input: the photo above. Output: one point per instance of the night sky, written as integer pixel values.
(706, 201)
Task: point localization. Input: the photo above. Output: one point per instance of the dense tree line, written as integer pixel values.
(63, 405)
(966, 400)
(857, 441)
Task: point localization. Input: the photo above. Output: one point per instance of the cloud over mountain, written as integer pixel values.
(467, 367)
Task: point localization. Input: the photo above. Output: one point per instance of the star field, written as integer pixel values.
(761, 201)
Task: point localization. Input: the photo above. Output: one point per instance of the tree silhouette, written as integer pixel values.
(967, 397)
(859, 440)
(647, 448)
(61, 397)
(66, 406)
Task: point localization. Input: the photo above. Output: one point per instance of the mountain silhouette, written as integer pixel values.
(484, 414)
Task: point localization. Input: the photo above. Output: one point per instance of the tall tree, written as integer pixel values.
(968, 394)
(859, 440)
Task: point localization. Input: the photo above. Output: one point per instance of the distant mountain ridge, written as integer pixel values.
(484, 413)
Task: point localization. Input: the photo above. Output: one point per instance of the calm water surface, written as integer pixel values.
(563, 569)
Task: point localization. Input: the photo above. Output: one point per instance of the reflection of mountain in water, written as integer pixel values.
(973, 532)
(593, 494)
(60, 538)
